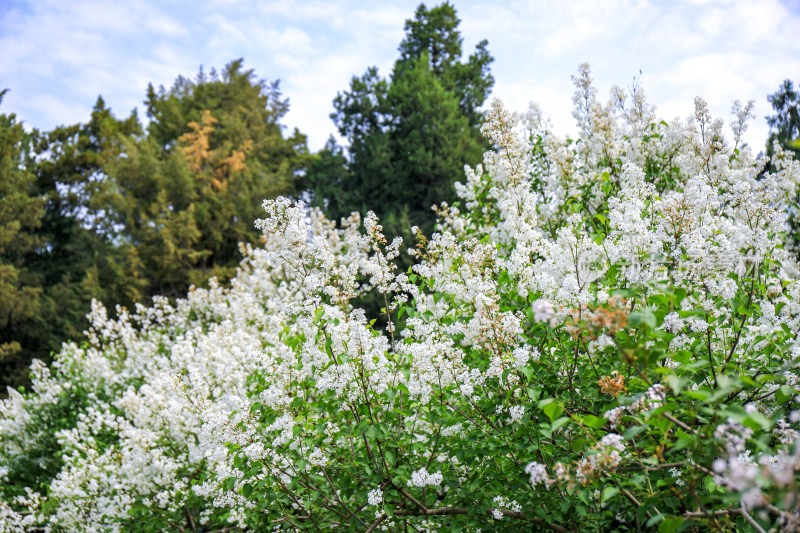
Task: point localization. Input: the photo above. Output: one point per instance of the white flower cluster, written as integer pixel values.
(676, 475)
(375, 497)
(606, 455)
(652, 398)
(734, 434)
(739, 471)
(516, 412)
(275, 392)
(542, 311)
(422, 478)
(538, 473)
(501, 503)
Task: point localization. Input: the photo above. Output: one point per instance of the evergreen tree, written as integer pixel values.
(432, 140)
(20, 215)
(64, 257)
(784, 128)
(435, 32)
(784, 125)
(329, 175)
(110, 211)
(411, 135)
(187, 192)
(71, 165)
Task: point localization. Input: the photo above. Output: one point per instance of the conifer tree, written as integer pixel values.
(111, 211)
(188, 191)
(62, 254)
(410, 135)
(785, 123)
(784, 128)
(20, 214)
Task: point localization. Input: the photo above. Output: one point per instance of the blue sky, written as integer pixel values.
(59, 55)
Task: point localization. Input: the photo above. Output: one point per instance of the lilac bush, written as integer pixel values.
(601, 335)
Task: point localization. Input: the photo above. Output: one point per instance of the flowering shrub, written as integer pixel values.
(603, 335)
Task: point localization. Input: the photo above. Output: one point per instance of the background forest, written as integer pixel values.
(113, 210)
(120, 211)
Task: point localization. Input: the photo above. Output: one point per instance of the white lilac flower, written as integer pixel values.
(543, 310)
(501, 502)
(612, 415)
(422, 478)
(375, 497)
(612, 440)
(538, 473)
(516, 412)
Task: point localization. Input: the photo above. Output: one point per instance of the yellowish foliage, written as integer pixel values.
(194, 144)
(196, 149)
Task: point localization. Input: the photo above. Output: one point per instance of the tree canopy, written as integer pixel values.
(409, 135)
(785, 123)
(113, 211)
(784, 132)
(185, 195)
(21, 211)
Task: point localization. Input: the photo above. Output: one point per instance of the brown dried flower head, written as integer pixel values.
(613, 384)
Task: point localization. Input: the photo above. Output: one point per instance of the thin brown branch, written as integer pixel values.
(377, 522)
(678, 423)
(413, 499)
(336, 495)
(705, 514)
(750, 520)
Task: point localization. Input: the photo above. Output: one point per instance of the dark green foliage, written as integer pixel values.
(189, 191)
(80, 261)
(73, 259)
(785, 130)
(432, 140)
(435, 32)
(20, 216)
(111, 211)
(40, 459)
(332, 191)
(411, 135)
(785, 123)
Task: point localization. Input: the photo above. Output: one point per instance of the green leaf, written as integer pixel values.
(608, 493)
(646, 316)
(527, 372)
(670, 525)
(784, 394)
(674, 383)
(594, 422)
(633, 431)
(580, 443)
(759, 421)
(560, 422)
(551, 408)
